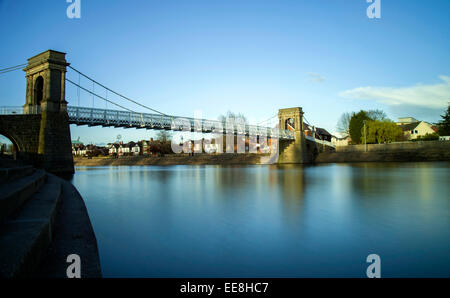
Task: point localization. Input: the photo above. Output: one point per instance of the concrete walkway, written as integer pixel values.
(73, 235)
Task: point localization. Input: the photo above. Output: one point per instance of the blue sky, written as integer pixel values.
(247, 56)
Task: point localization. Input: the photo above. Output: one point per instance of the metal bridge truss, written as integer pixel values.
(126, 119)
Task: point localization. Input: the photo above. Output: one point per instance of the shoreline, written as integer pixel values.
(393, 152)
(171, 159)
(254, 159)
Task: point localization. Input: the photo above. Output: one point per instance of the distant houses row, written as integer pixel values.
(144, 147)
(412, 129)
(156, 147)
(117, 149)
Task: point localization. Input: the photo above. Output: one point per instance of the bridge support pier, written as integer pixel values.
(46, 84)
(300, 150)
(42, 135)
(55, 146)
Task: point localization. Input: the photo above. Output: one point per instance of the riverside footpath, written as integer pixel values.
(43, 220)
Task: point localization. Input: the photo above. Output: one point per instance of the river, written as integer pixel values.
(270, 221)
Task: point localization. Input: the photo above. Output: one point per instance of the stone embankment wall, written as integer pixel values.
(406, 151)
(171, 159)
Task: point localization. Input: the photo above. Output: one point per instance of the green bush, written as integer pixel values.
(356, 125)
(384, 131)
(427, 137)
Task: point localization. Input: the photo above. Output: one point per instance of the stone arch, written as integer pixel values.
(13, 140)
(291, 119)
(290, 123)
(38, 90)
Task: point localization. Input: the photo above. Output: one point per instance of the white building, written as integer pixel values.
(113, 148)
(211, 148)
(123, 149)
(135, 149)
(413, 129)
(339, 139)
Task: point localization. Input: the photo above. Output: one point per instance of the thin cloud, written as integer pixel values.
(315, 77)
(431, 96)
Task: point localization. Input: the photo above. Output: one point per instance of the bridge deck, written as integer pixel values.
(128, 119)
(125, 119)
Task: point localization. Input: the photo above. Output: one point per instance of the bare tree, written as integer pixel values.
(234, 116)
(344, 123)
(377, 115)
(163, 136)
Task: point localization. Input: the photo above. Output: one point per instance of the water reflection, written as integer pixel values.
(269, 221)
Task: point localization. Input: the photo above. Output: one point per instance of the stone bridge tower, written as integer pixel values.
(41, 135)
(297, 151)
(45, 74)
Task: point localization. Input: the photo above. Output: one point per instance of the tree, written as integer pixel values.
(444, 124)
(162, 144)
(234, 116)
(356, 124)
(163, 136)
(384, 131)
(343, 125)
(154, 147)
(377, 115)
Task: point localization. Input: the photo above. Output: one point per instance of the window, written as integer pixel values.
(416, 131)
(38, 90)
(412, 132)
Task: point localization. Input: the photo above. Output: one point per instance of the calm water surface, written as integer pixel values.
(270, 221)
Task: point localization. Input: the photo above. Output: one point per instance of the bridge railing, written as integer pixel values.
(104, 117)
(20, 110)
(320, 141)
(116, 118)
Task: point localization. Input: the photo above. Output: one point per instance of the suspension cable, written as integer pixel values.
(12, 68)
(306, 120)
(129, 99)
(20, 65)
(78, 89)
(3, 72)
(98, 95)
(93, 91)
(267, 120)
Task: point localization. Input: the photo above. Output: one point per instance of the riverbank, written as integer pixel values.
(43, 220)
(394, 152)
(73, 234)
(170, 159)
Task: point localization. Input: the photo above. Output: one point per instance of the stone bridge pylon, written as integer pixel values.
(300, 150)
(41, 135)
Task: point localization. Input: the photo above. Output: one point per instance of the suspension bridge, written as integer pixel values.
(40, 129)
(128, 119)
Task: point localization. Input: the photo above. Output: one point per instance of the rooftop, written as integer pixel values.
(409, 126)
